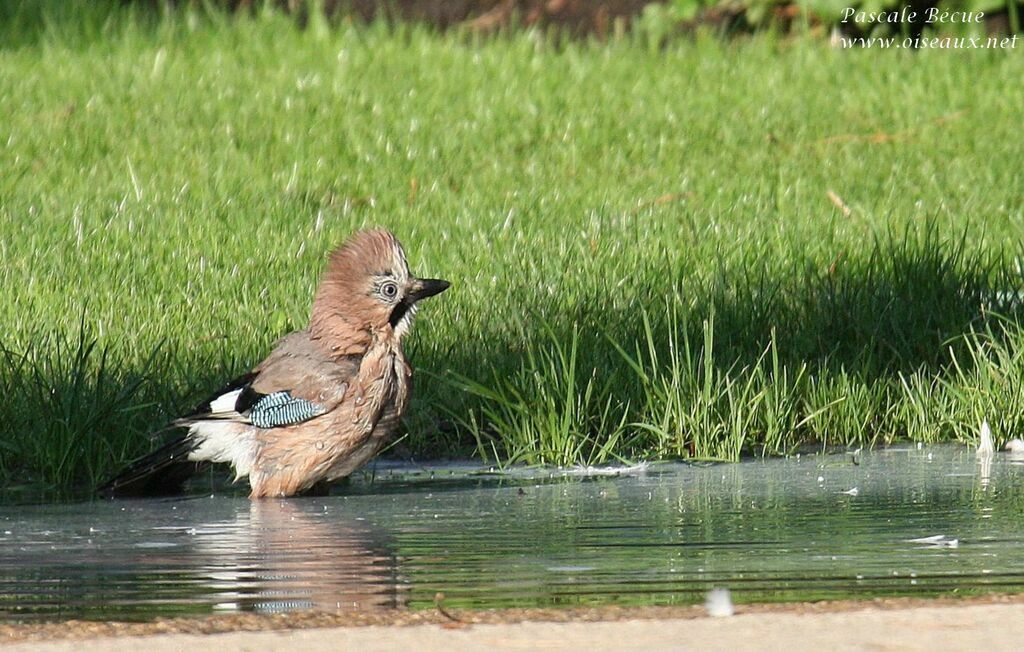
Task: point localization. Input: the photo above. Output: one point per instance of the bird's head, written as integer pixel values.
(367, 289)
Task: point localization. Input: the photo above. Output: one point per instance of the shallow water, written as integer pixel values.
(893, 522)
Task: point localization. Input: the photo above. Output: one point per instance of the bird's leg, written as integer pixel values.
(320, 489)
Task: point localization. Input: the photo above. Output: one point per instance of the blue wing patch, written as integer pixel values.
(282, 409)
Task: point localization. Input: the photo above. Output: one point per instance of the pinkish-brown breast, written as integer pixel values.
(292, 459)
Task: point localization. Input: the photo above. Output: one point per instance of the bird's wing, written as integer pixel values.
(295, 383)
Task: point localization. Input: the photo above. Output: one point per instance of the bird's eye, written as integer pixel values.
(389, 290)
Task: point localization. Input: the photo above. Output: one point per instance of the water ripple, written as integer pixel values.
(774, 530)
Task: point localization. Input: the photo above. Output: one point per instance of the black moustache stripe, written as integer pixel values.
(399, 312)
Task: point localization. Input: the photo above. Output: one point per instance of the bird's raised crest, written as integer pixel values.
(372, 251)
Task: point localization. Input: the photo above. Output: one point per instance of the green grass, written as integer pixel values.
(646, 261)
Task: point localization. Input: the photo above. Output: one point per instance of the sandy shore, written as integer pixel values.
(990, 623)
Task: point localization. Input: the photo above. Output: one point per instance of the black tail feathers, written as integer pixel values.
(161, 473)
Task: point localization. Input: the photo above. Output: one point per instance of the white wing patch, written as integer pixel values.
(225, 403)
(224, 441)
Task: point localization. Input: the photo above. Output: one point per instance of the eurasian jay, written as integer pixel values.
(326, 398)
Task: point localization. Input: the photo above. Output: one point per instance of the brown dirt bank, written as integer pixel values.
(463, 619)
(577, 16)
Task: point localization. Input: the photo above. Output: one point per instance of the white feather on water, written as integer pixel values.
(986, 447)
(614, 471)
(936, 541)
(1015, 446)
(719, 602)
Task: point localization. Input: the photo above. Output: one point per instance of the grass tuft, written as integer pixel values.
(70, 410)
(705, 250)
(551, 411)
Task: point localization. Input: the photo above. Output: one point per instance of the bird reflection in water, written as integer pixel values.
(278, 556)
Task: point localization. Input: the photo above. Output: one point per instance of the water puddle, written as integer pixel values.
(894, 522)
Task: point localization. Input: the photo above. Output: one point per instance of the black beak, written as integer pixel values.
(426, 287)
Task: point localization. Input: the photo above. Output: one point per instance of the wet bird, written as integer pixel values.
(326, 398)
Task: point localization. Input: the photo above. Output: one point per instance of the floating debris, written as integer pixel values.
(936, 541)
(986, 447)
(851, 492)
(1015, 446)
(611, 471)
(719, 602)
